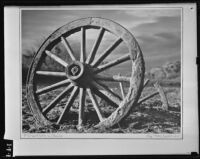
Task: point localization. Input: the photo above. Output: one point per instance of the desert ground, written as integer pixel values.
(148, 117)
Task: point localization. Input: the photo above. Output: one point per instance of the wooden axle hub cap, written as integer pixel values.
(75, 70)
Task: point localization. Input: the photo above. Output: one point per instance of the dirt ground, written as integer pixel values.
(149, 117)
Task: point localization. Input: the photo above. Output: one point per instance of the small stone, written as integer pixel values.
(80, 128)
(26, 127)
(118, 130)
(56, 126)
(32, 129)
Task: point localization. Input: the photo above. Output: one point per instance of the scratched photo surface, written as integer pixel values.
(91, 77)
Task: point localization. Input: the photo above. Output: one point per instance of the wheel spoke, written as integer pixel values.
(146, 83)
(95, 46)
(147, 97)
(95, 104)
(67, 46)
(113, 63)
(56, 58)
(69, 104)
(163, 97)
(81, 106)
(83, 45)
(52, 87)
(104, 97)
(115, 78)
(114, 96)
(57, 99)
(107, 52)
(49, 73)
(122, 89)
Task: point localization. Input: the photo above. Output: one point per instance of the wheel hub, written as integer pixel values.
(80, 74)
(75, 70)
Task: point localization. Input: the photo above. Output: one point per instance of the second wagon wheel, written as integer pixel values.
(81, 77)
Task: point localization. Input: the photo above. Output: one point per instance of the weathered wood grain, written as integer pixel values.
(135, 55)
(163, 97)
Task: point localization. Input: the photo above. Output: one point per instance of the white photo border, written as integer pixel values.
(157, 145)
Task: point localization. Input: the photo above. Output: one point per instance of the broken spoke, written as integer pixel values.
(115, 78)
(147, 97)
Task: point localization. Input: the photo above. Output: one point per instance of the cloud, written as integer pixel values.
(155, 12)
(155, 45)
(161, 24)
(158, 31)
(160, 37)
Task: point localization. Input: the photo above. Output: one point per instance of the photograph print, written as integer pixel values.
(101, 71)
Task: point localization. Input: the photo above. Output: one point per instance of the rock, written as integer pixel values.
(157, 73)
(32, 129)
(26, 126)
(169, 130)
(168, 70)
(55, 126)
(156, 129)
(172, 69)
(118, 130)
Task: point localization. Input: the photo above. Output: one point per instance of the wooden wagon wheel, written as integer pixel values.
(82, 75)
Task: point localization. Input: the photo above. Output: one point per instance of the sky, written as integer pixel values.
(158, 31)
